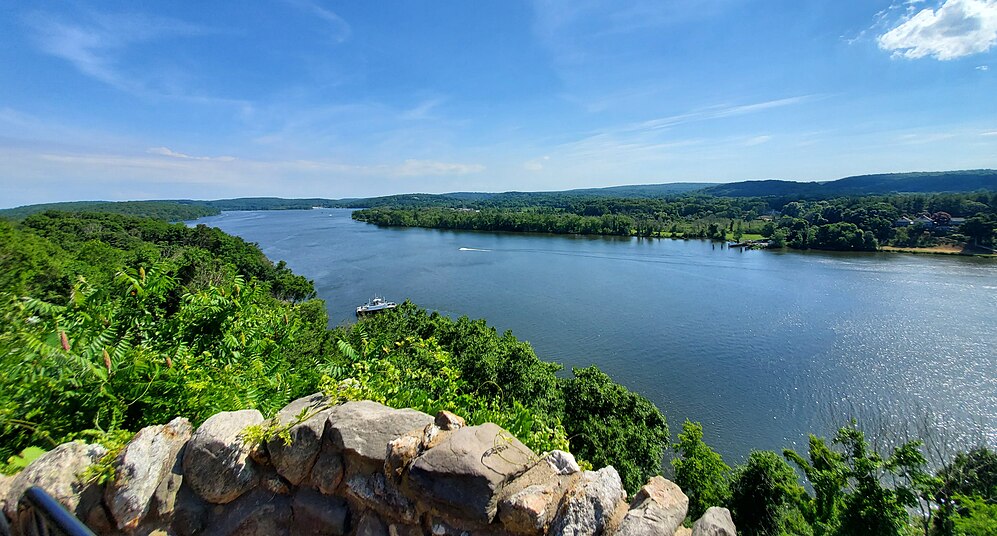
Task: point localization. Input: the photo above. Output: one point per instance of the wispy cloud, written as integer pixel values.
(717, 112)
(957, 28)
(195, 167)
(166, 151)
(96, 44)
(340, 29)
(423, 110)
(757, 140)
(536, 164)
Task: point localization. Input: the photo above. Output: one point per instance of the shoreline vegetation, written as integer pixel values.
(942, 211)
(111, 323)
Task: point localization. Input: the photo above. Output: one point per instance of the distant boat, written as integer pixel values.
(376, 305)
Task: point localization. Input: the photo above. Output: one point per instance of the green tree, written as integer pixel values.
(764, 494)
(608, 424)
(699, 470)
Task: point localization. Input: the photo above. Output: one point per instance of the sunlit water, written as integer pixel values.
(762, 347)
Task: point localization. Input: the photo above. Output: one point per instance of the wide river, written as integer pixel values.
(762, 347)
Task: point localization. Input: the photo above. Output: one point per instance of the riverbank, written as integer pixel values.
(947, 249)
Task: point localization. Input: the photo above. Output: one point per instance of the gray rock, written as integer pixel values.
(371, 525)
(592, 506)
(141, 467)
(189, 513)
(362, 430)
(715, 522)
(257, 513)
(164, 500)
(376, 492)
(314, 513)
(465, 473)
(5, 484)
(216, 461)
(294, 461)
(562, 462)
(529, 503)
(327, 472)
(659, 508)
(57, 472)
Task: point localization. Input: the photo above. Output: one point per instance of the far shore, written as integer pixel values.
(947, 249)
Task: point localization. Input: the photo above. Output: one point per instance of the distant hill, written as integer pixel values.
(161, 210)
(921, 182)
(189, 209)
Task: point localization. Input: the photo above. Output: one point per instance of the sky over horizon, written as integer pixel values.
(308, 98)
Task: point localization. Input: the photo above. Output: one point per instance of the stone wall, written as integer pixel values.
(356, 469)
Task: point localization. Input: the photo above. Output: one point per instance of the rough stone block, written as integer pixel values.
(317, 514)
(294, 461)
(715, 522)
(257, 513)
(592, 506)
(658, 508)
(145, 462)
(466, 472)
(216, 462)
(362, 430)
(57, 472)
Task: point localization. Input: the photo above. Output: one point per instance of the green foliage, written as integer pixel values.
(419, 374)
(975, 517)
(764, 494)
(839, 223)
(700, 471)
(19, 461)
(606, 423)
(970, 476)
(610, 425)
(160, 210)
(103, 471)
(853, 494)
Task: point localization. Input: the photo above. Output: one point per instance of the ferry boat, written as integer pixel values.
(375, 305)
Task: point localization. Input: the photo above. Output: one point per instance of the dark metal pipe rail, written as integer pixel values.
(44, 516)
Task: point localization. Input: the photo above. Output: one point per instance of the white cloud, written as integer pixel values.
(956, 29)
(433, 167)
(536, 164)
(983, 68)
(990, 133)
(166, 151)
(340, 28)
(757, 140)
(97, 45)
(716, 112)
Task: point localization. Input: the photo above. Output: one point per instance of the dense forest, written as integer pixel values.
(886, 183)
(843, 223)
(160, 210)
(111, 323)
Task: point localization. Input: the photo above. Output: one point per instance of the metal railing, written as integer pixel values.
(41, 515)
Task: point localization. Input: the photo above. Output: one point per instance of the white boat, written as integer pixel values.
(375, 305)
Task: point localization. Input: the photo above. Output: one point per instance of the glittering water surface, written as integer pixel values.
(762, 347)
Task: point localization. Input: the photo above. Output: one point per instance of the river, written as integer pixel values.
(762, 347)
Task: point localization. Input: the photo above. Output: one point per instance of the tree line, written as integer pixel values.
(844, 223)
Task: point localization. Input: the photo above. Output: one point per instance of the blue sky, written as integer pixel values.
(294, 98)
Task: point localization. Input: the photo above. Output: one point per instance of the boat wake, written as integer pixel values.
(473, 249)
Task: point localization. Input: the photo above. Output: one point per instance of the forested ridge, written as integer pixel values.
(842, 223)
(111, 323)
